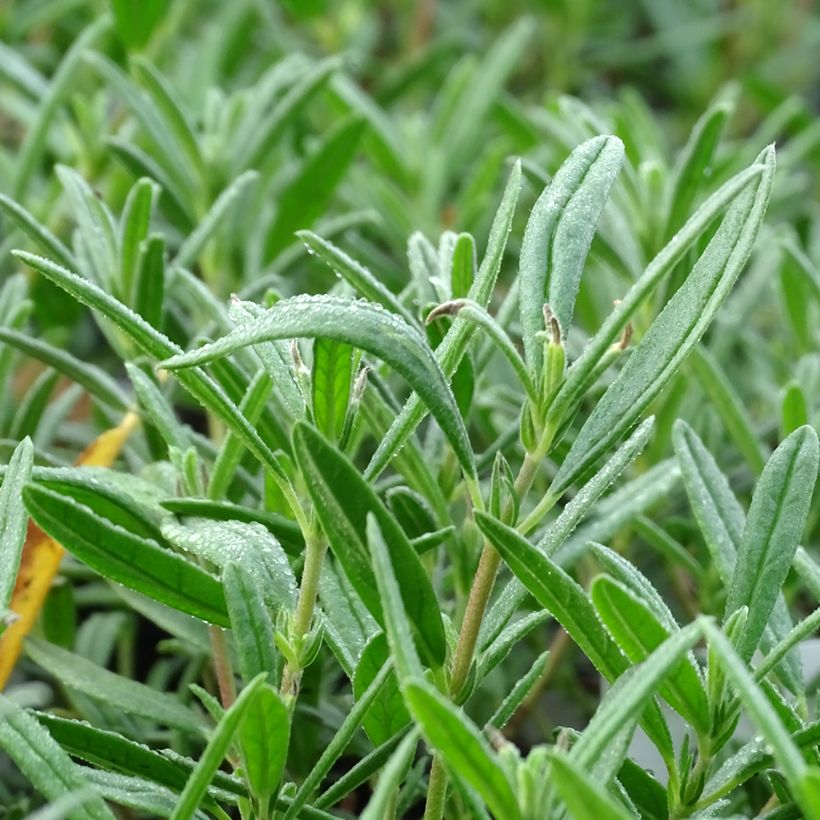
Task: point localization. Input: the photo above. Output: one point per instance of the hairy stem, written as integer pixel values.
(315, 548)
(436, 790)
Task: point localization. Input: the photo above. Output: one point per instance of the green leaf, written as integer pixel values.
(158, 408)
(638, 633)
(307, 193)
(214, 754)
(339, 742)
(465, 752)
(343, 500)
(256, 142)
(149, 280)
(95, 380)
(250, 544)
(567, 602)
(190, 250)
(630, 697)
(331, 382)
(785, 752)
(463, 269)
(584, 366)
(42, 237)
(155, 344)
(49, 769)
(729, 405)
(113, 752)
(13, 519)
(558, 532)
(387, 715)
(283, 529)
(356, 275)
(523, 686)
(390, 778)
(264, 735)
(774, 525)
(396, 624)
(136, 562)
(250, 622)
(135, 25)
(454, 345)
(364, 325)
(134, 226)
(674, 332)
(131, 697)
(558, 236)
(694, 164)
(795, 408)
(583, 795)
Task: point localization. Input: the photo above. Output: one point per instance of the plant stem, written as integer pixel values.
(436, 790)
(315, 548)
(222, 666)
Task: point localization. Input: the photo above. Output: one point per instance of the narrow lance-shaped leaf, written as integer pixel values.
(694, 163)
(774, 525)
(363, 324)
(454, 345)
(343, 500)
(135, 562)
(721, 520)
(214, 754)
(13, 519)
(567, 602)
(578, 375)
(558, 236)
(331, 382)
(465, 752)
(264, 735)
(50, 770)
(583, 795)
(153, 343)
(785, 751)
(639, 632)
(676, 330)
(134, 698)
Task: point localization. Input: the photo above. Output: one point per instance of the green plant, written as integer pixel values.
(338, 546)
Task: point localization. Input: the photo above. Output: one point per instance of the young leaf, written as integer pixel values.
(558, 236)
(774, 525)
(674, 332)
(50, 770)
(134, 226)
(331, 382)
(364, 325)
(523, 686)
(465, 751)
(13, 519)
(128, 559)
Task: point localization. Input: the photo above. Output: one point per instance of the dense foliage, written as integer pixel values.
(408, 408)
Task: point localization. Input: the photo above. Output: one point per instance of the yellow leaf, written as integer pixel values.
(42, 555)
